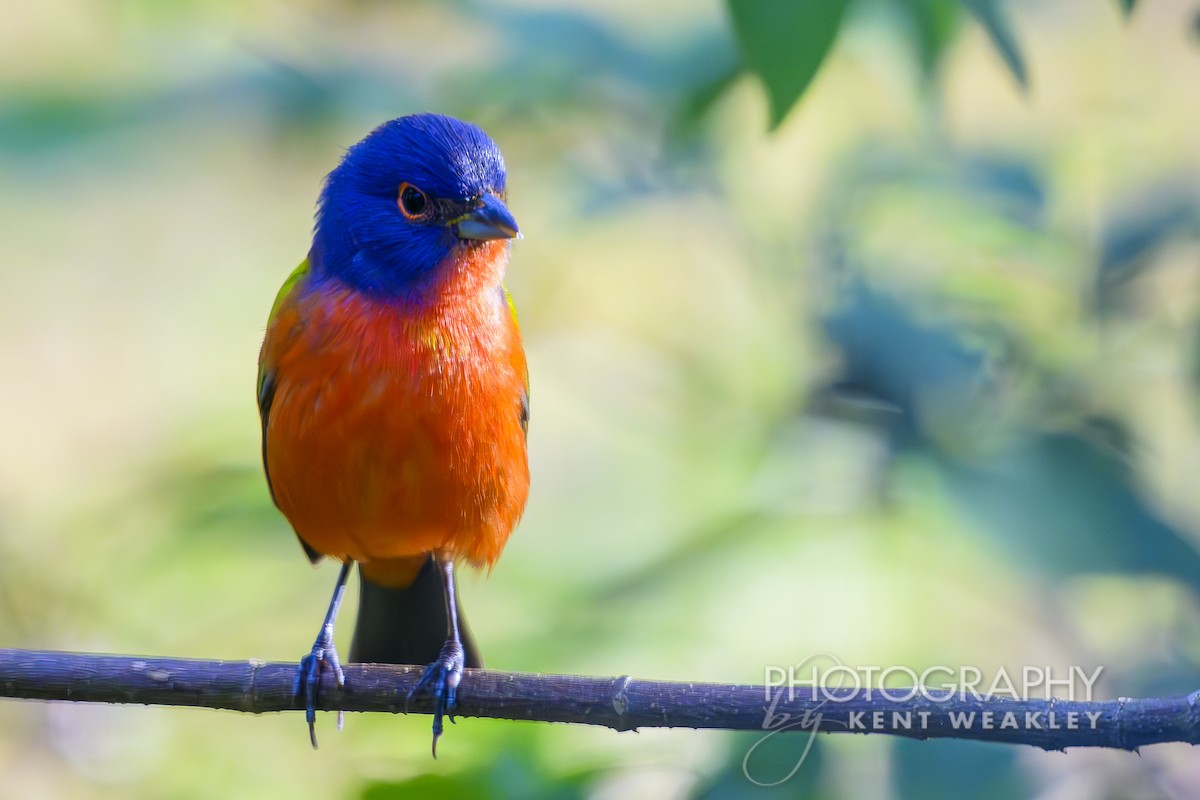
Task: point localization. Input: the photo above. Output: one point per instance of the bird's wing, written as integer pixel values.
(524, 399)
(266, 381)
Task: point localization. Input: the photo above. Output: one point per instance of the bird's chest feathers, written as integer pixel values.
(447, 357)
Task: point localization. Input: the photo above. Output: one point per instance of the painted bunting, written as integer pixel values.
(394, 395)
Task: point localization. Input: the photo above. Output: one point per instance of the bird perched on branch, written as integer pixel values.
(394, 394)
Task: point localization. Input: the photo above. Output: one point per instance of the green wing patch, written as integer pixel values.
(266, 388)
(523, 406)
(298, 274)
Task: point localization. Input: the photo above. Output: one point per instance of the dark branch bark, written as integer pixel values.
(619, 703)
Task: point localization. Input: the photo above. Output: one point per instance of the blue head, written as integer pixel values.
(404, 199)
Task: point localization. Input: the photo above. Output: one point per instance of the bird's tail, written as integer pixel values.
(406, 625)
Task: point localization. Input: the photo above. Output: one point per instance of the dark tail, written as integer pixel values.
(406, 625)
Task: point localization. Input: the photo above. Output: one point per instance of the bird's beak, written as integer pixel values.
(491, 219)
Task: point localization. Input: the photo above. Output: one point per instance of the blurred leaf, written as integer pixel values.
(937, 770)
(1067, 503)
(783, 42)
(1196, 355)
(698, 102)
(1126, 6)
(781, 766)
(469, 786)
(44, 121)
(558, 58)
(1131, 238)
(38, 121)
(510, 777)
(994, 20)
(900, 366)
(1013, 187)
(934, 23)
(1158, 676)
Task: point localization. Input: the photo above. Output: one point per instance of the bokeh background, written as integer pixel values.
(909, 377)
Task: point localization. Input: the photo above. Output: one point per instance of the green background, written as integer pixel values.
(904, 373)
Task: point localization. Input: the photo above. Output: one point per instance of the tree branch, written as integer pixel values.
(619, 703)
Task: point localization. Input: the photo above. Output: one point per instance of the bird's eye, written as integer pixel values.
(414, 203)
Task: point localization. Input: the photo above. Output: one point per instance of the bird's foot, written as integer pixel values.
(441, 678)
(323, 658)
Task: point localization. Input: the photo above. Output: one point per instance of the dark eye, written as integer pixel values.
(414, 203)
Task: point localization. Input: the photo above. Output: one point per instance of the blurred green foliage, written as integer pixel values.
(785, 43)
(910, 379)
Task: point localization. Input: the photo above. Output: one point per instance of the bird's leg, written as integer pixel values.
(442, 676)
(323, 657)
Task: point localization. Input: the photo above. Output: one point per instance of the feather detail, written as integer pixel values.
(391, 429)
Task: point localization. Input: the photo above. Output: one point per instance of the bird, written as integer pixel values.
(393, 392)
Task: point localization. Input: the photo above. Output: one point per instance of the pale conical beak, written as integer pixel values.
(491, 219)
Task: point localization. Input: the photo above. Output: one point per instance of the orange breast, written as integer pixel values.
(397, 429)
